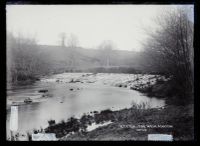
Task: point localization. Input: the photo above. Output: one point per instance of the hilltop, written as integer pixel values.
(64, 58)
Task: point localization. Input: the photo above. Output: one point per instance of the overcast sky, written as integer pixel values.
(92, 24)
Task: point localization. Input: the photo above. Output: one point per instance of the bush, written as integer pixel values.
(107, 111)
(51, 122)
(160, 81)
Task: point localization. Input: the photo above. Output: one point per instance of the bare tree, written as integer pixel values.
(72, 43)
(62, 37)
(24, 60)
(106, 48)
(170, 48)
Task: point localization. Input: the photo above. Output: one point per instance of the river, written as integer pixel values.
(66, 98)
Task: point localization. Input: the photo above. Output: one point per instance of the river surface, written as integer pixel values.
(65, 99)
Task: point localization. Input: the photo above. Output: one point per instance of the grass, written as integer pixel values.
(180, 118)
(142, 105)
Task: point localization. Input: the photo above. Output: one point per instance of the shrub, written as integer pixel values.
(51, 122)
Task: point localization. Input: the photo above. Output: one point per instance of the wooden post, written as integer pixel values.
(13, 121)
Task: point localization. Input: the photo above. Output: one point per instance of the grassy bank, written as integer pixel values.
(129, 124)
(170, 91)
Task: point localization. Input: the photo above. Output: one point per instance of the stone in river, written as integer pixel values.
(43, 91)
(28, 100)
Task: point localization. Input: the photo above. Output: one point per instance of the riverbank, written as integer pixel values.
(175, 123)
(129, 124)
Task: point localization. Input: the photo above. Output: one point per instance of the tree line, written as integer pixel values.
(25, 61)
